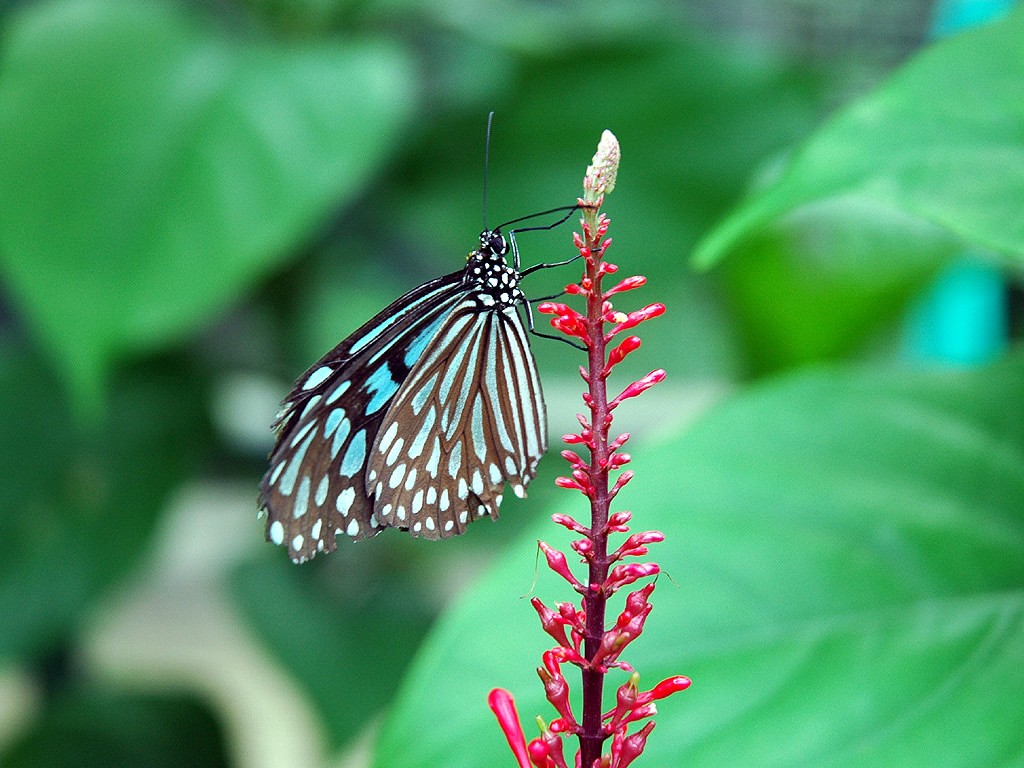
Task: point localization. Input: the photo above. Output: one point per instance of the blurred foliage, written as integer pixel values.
(940, 141)
(192, 192)
(81, 503)
(92, 728)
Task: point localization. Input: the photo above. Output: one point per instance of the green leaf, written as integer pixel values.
(94, 728)
(940, 140)
(846, 587)
(152, 166)
(345, 630)
(80, 505)
(798, 297)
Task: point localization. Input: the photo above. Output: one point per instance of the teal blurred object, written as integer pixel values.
(962, 318)
(954, 15)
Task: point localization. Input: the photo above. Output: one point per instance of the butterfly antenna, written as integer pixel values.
(487, 161)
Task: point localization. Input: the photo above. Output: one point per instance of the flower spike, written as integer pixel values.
(581, 632)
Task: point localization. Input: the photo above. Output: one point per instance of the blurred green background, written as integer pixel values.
(197, 199)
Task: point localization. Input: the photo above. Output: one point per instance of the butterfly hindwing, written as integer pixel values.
(315, 488)
(475, 413)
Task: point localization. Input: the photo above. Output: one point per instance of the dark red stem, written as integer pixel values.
(591, 736)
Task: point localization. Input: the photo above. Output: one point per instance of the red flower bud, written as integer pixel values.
(558, 564)
(550, 622)
(617, 522)
(504, 708)
(622, 479)
(619, 441)
(628, 284)
(616, 460)
(635, 545)
(568, 522)
(540, 754)
(629, 748)
(639, 386)
(617, 355)
(637, 317)
(583, 546)
(573, 458)
(621, 575)
(554, 745)
(669, 686)
(557, 691)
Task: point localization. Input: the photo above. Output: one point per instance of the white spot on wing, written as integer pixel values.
(355, 455)
(277, 472)
(341, 434)
(338, 391)
(301, 498)
(321, 492)
(276, 532)
(292, 473)
(302, 433)
(421, 437)
(435, 458)
(310, 405)
(316, 378)
(396, 449)
(389, 436)
(332, 421)
(455, 459)
(345, 499)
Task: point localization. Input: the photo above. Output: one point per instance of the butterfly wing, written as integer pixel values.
(469, 418)
(315, 488)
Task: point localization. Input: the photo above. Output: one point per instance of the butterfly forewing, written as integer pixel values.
(463, 406)
(315, 488)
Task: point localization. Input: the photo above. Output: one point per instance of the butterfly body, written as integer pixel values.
(415, 421)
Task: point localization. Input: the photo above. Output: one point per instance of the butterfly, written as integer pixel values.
(419, 419)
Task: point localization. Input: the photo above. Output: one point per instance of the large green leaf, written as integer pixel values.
(846, 586)
(798, 296)
(344, 628)
(80, 505)
(151, 166)
(940, 140)
(95, 728)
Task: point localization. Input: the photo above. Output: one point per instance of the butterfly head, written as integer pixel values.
(493, 242)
